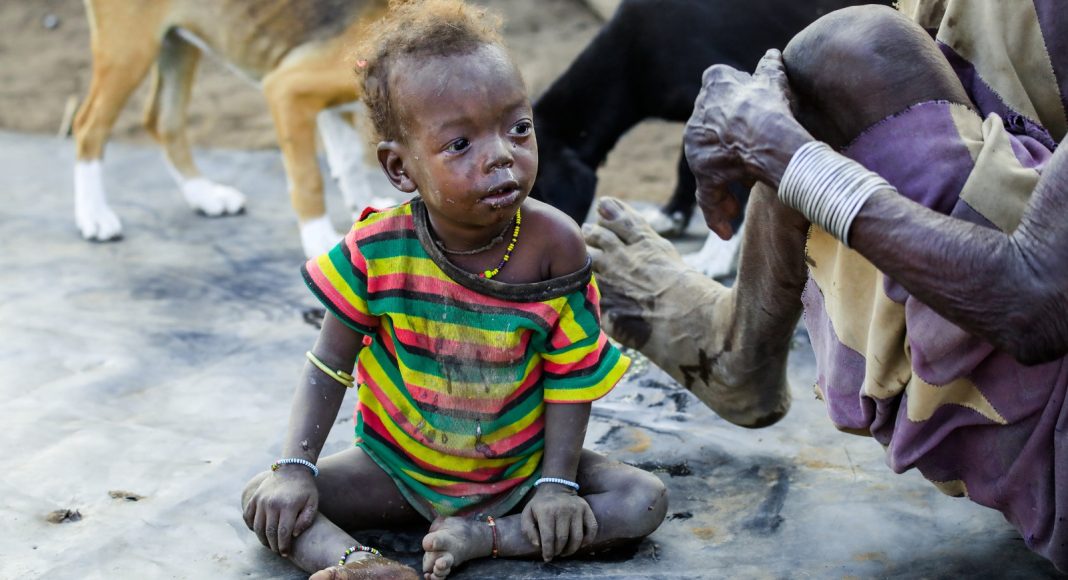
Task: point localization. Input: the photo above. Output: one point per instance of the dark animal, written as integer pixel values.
(647, 62)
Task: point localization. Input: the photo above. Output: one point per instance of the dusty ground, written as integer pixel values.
(144, 382)
(41, 68)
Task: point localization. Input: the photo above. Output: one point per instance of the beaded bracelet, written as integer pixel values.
(357, 548)
(296, 461)
(339, 376)
(558, 480)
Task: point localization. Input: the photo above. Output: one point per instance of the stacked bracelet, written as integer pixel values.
(339, 376)
(296, 461)
(357, 548)
(827, 187)
(557, 480)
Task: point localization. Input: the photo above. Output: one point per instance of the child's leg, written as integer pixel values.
(629, 504)
(354, 494)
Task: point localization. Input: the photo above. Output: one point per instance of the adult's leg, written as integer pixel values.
(627, 502)
(354, 494)
(729, 346)
(883, 64)
(726, 345)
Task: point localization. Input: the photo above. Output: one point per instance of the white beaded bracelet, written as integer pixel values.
(296, 461)
(828, 188)
(558, 480)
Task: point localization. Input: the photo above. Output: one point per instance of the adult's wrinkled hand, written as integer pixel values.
(281, 508)
(559, 521)
(742, 130)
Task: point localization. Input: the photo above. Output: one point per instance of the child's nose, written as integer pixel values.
(499, 155)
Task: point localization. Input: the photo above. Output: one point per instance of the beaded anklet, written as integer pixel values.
(508, 252)
(493, 528)
(357, 548)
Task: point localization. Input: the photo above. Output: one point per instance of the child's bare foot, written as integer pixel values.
(369, 567)
(451, 542)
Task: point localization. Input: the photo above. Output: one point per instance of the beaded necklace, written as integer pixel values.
(508, 252)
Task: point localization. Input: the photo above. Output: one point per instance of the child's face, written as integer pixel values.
(469, 145)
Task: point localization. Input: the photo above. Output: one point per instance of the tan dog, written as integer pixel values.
(295, 49)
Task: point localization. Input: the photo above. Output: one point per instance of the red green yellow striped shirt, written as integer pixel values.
(457, 368)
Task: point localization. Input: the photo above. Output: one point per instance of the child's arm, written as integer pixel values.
(286, 502)
(556, 518)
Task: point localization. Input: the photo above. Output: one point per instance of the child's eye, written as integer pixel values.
(522, 128)
(458, 145)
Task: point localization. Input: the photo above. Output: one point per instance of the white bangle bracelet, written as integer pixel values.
(558, 480)
(828, 188)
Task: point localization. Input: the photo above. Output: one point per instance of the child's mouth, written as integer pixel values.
(503, 195)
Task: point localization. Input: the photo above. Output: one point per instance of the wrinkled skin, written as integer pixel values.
(734, 116)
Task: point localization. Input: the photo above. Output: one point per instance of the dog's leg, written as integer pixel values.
(122, 55)
(344, 153)
(165, 118)
(717, 259)
(295, 94)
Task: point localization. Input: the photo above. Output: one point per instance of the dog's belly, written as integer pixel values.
(255, 36)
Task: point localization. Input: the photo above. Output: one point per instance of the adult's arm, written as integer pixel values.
(1008, 289)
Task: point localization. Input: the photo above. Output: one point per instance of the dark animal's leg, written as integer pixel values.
(680, 207)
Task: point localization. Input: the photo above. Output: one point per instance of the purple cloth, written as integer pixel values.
(1015, 465)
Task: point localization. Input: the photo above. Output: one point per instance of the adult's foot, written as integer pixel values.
(453, 541)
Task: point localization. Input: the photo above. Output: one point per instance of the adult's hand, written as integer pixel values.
(742, 130)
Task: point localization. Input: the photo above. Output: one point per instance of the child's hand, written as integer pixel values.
(559, 521)
(282, 507)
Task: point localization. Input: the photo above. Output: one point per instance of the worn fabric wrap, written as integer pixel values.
(973, 420)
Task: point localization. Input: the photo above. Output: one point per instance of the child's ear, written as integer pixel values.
(391, 156)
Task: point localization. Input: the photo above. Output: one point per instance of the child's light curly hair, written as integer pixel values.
(415, 28)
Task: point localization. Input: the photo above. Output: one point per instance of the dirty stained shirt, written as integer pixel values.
(456, 369)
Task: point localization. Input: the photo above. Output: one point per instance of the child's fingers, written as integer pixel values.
(259, 525)
(272, 531)
(562, 534)
(547, 530)
(529, 527)
(574, 537)
(249, 514)
(589, 522)
(286, 521)
(306, 517)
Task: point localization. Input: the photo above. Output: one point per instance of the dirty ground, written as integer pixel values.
(145, 382)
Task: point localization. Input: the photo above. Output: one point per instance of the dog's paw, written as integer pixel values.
(94, 218)
(668, 226)
(212, 199)
(318, 236)
(97, 222)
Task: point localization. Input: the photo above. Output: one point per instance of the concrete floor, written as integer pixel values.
(160, 368)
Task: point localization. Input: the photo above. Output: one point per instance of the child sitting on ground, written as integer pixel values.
(472, 316)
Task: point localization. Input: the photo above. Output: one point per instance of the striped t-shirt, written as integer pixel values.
(456, 368)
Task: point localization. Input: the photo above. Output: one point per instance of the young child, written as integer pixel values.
(472, 316)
